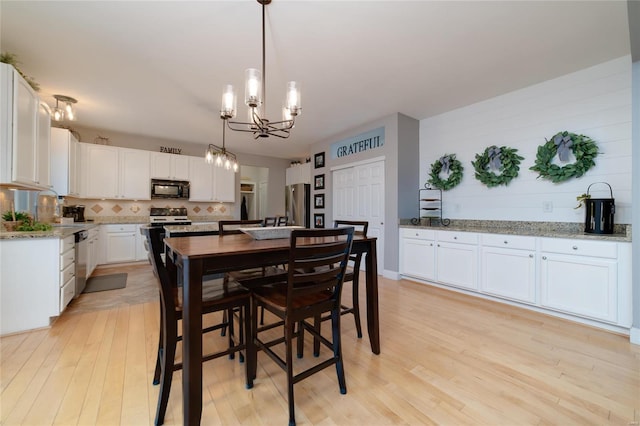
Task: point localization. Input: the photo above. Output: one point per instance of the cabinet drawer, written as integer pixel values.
(509, 241)
(66, 293)
(93, 233)
(67, 273)
(67, 259)
(120, 228)
(67, 243)
(580, 247)
(422, 234)
(458, 237)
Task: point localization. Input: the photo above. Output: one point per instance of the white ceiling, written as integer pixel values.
(157, 68)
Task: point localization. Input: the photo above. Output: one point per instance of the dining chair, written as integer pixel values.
(304, 293)
(217, 295)
(270, 221)
(352, 274)
(230, 227)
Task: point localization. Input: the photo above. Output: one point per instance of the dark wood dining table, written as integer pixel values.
(193, 257)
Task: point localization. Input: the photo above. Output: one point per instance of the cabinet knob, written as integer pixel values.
(531, 256)
(506, 242)
(416, 234)
(431, 244)
(455, 238)
(544, 257)
(575, 247)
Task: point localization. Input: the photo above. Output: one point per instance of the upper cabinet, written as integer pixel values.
(300, 173)
(169, 166)
(64, 147)
(210, 183)
(25, 124)
(115, 173)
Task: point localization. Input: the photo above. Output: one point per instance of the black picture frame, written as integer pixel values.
(318, 160)
(318, 220)
(318, 182)
(319, 201)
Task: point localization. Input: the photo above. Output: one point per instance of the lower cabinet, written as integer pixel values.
(589, 280)
(119, 243)
(93, 257)
(37, 281)
(503, 258)
(580, 277)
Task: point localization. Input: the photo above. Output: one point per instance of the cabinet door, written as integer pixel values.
(25, 125)
(224, 185)
(180, 167)
(201, 177)
(509, 273)
(43, 146)
(121, 247)
(418, 258)
(134, 181)
(580, 285)
(101, 165)
(160, 165)
(141, 251)
(457, 264)
(73, 166)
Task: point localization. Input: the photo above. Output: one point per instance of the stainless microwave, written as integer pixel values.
(178, 189)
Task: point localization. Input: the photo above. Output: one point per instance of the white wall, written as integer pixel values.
(595, 102)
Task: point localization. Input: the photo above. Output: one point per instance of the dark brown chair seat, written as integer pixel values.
(217, 295)
(311, 287)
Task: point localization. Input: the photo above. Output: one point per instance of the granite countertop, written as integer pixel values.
(58, 231)
(622, 233)
(195, 227)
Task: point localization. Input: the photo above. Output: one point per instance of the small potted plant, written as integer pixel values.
(11, 219)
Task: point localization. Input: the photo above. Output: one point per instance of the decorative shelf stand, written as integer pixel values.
(430, 207)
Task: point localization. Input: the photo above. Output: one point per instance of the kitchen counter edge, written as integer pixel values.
(58, 231)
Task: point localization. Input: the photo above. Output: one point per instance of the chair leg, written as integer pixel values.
(168, 359)
(300, 340)
(356, 304)
(316, 342)
(223, 331)
(289, 333)
(252, 363)
(251, 352)
(337, 349)
(229, 314)
(156, 374)
(261, 316)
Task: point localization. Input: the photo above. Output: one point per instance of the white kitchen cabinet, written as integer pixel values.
(115, 173)
(93, 252)
(457, 258)
(169, 166)
(418, 253)
(119, 242)
(24, 128)
(580, 277)
(64, 148)
(36, 276)
(211, 183)
(298, 173)
(508, 265)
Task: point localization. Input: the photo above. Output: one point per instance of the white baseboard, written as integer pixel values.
(634, 335)
(391, 275)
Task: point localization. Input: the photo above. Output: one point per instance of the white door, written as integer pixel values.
(358, 194)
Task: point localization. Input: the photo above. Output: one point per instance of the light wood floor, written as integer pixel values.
(446, 359)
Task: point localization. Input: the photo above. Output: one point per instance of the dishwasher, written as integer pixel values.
(82, 247)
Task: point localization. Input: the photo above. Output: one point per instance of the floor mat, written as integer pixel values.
(106, 282)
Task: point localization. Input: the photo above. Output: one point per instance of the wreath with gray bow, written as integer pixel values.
(449, 165)
(583, 148)
(497, 165)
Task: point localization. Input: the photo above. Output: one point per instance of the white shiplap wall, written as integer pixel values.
(595, 102)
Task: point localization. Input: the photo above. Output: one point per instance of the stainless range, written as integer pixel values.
(160, 216)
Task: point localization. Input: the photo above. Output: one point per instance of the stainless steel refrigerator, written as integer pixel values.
(298, 204)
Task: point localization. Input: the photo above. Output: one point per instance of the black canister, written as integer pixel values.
(599, 214)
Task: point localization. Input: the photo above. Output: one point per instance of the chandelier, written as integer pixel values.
(59, 114)
(220, 156)
(255, 98)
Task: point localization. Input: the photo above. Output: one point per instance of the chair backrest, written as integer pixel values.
(360, 227)
(270, 221)
(317, 263)
(168, 290)
(228, 227)
(282, 221)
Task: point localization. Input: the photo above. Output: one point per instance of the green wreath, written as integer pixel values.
(451, 166)
(583, 147)
(503, 159)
